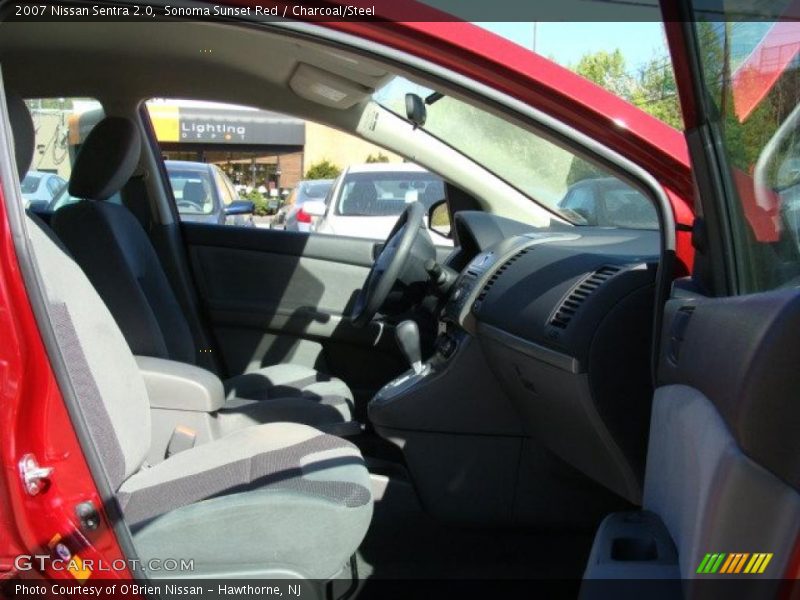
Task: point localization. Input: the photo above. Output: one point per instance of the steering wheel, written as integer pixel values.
(189, 205)
(389, 265)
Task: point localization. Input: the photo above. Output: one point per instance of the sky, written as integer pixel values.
(567, 42)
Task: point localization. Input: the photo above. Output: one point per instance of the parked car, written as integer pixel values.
(366, 200)
(39, 188)
(609, 202)
(204, 194)
(289, 216)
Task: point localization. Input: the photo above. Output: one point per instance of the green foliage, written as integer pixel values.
(606, 69)
(377, 158)
(652, 89)
(323, 169)
(258, 199)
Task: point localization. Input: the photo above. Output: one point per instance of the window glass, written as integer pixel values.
(751, 73)
(312, 190)
(378, 194)
(31, 183)
(193, 189)
(61, 125)
(625, 207)
(537, 167)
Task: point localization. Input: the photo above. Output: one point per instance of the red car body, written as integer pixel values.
(33, 416)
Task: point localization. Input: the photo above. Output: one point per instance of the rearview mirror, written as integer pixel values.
(240, 207)
(315, 208)
(416, 111)
(439, 218)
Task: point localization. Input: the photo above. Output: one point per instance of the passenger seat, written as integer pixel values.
(280, 500)
(114, 251)
(722, 482)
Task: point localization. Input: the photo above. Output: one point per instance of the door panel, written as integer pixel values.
(275, 296)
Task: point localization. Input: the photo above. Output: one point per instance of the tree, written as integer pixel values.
(657, 93)
(608, 70)
(652, 89)
(377, 158)
(323, 169)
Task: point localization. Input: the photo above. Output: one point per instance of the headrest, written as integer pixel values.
(22, 130)
(106, 160)
(195, 192)
(364, 191)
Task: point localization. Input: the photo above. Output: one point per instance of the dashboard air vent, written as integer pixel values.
(500, 270)
(570, 305)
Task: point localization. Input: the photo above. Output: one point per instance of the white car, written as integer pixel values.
(366, 200)
(39, 188)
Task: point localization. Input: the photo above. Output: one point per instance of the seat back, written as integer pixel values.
(722, 482)
(113, 249)
(109, 387)
(723, 465)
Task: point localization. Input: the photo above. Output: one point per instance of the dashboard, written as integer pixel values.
(564, 317)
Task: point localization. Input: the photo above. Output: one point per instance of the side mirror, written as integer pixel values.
(439, 218)
(315, 208)
(240, 207)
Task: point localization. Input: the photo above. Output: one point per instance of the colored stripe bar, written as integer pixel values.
(765, 563)
(727, 564)
(717, 563)
(703, 563)
(734, 560)
(752, 566)
(741, 562)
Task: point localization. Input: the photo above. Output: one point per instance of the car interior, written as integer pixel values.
(542, 399)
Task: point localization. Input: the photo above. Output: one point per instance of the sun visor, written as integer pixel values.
(326, 88)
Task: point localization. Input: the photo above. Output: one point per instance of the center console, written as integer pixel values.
(517, 402)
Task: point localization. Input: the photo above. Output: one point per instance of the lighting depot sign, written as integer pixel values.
(212, 125)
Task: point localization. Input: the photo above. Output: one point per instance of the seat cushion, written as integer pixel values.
(297, 393)
(274, 500)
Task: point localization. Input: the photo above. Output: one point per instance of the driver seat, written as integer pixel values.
(114, 251)
(196, 193)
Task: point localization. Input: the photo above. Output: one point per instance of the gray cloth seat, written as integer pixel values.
(723, 460)
(273, 501)
(112, 248)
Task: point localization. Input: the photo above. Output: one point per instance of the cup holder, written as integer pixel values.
(634, 549)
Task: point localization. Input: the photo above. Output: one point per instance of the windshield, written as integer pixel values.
(314, 190)
(542, 170)
(377, 194)
(30, 184)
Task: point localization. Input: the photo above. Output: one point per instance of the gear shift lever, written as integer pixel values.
(407, 334)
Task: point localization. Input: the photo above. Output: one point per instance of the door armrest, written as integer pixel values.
(179, 386)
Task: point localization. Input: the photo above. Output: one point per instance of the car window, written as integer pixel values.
(629, 208)
(54, 185)
(193, 190)
(376, 194)
(61, 125)
(312, 190)
(30, 184)
(751, 73)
